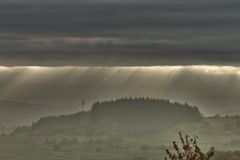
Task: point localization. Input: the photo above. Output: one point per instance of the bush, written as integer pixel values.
(189, 151)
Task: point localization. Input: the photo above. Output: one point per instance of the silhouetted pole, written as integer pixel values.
(83, 104)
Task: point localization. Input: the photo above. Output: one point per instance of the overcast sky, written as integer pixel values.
(119, 32)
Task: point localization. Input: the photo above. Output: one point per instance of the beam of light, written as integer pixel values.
(28, 72)
(211, 88)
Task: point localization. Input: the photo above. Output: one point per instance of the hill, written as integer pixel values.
(141, 113)
(128, 115)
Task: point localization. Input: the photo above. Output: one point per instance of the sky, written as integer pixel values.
(119, 32)
(54, 53)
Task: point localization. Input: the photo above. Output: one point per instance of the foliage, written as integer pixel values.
(190, 150)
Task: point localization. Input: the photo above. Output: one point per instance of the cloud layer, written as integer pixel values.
(104, 32)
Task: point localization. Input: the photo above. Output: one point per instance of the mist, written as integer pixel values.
(28, 93)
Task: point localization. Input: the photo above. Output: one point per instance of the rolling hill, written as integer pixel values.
(127, 115)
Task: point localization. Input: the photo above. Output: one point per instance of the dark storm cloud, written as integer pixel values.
(104, 32)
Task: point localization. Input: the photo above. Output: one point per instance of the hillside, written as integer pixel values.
(144, 113)
(128, 115)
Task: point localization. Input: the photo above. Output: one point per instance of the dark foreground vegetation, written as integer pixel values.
(189, 150)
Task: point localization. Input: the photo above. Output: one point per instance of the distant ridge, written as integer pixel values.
(146, 112)
(127, 115)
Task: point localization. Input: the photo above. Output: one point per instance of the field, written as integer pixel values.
(101, 147)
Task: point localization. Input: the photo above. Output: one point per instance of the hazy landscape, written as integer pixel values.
(128, 128)
(119, 80)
